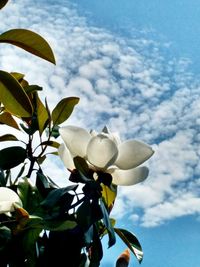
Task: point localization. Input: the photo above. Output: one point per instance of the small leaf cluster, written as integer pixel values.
(54, 226)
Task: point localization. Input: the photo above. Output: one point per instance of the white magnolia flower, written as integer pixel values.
(8, 200)
(104, 152)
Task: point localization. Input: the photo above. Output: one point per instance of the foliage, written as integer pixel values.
(52, 225)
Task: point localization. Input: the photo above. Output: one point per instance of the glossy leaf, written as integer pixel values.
(29, 195)
(88, 213)
(63, 109)
(51, 144)
(11, 157)
(131, 241)
(30, 238)
(32, 88)
(42, 115)
(3, 3)
(13, 96)
(59, 226)
(96, 250)
(29, 41)
(18, 76)
(3, 180)
(42, 183)
(8, 137)
(82, 166)
(108, 196)
(5, 236)
(6, 118)
(108, 225)
(58, 195)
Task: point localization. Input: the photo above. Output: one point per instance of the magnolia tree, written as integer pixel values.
(42, 224)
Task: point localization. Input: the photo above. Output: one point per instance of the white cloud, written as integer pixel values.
(128, 85)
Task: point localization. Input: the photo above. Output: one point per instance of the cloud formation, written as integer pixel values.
(131, 85)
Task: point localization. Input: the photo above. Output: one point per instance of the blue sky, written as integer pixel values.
(134, 64)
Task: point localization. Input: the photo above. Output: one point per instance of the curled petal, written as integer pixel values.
(7, 200)
(76, 139)
(66, 157)
(101, 152)
(129, 177)
(132, 153)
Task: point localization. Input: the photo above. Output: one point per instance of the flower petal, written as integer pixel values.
(7, 199)
(101, 152)
(132, 153)
(129, 177)
(66, 157)
(76, 139)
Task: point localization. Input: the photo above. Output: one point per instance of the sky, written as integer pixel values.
(134, 64)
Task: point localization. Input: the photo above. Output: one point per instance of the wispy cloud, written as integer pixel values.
(131, 85)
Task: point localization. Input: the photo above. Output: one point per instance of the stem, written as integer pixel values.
(30, 156)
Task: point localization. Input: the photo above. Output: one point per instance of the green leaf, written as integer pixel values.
(59, 225)
(108, 195)
(5, 236)
(3, 180)
(18, 76)
(51, 144)
(8, 137)
(131, 241)
(11, 157)
(59, 195)
(63, 109)
(82, 166)
(13, 96)
(30, 238)
(96, 250)
(29, 195)
(42, 115)
(108, 225)
(6, 118)
(3, 3)
(29, 41)
(32, 88)
(88, 213)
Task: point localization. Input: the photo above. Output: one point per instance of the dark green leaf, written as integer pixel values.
(29, 245)
(29, 41)
(3, 180)
(96, 250)
(29, 195)
(83, 260)
(11, 157)
(32, 88)
(59, 225)
(82, 166)
(6, 118)
(5, 236)
(131, 241)
(42, 183)
(88, 213)
(50, 143)
(108, 225)
(59, 195)
(8, 137)
(63, 109)
(55, 132)
(13, 96)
